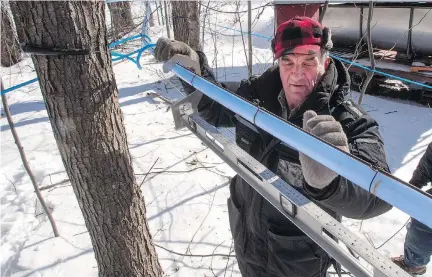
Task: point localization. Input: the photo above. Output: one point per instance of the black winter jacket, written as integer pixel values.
(423, 173)
(266, 243)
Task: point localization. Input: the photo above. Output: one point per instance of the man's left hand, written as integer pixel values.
(328, 129)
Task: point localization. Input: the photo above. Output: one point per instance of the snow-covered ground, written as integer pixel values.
(186, 205)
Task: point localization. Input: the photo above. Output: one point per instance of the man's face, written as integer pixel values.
(299, 73)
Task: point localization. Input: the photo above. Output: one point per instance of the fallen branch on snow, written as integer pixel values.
(195, 255)
(175, 171)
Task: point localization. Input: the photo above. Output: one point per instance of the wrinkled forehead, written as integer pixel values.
(312, 50)
(302, 53)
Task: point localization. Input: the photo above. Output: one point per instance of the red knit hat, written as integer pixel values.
(298, 34)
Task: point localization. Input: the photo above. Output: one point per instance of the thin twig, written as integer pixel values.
(220, 174)
(393, 235)
(53, 185)
(166, 100)
(226, 266)
(194, 255)
(11, 184)
(321, 16)
(370, 73)
(241, 29)
(245, 11)
(211, 262)
(353, 253)
(148, 172)
(175, 171)
(404, 35)
(80, 233)
(158, 230)
(199, 227)
(154, 199)
(369, 239)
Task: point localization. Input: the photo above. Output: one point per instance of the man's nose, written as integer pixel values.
(297, 71)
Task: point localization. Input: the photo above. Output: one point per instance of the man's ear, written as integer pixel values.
(326, 63)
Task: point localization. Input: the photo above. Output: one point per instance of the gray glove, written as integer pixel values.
(167, 48)
(328, 129)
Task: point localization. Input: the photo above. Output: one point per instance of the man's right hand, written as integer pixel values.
(167, 48)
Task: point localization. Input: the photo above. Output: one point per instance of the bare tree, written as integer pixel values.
(238, 19)
(157, 12)
(323, 12)
(249, 62)
(10, 49)
(186, 26)
(25, 162)
(167, 20)
(204, 23)
(151, 19)
(78, 85)
(370, 73)
(121, 18)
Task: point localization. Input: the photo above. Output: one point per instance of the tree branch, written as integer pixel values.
(196, 255)
(370, 73)
(175, 171)
(25, 162)
(148, 172)
(53, 185)
(250, 38)
(321, 16)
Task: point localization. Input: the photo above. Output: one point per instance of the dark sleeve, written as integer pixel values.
(344, 197)
(423, 173)
(211, 111)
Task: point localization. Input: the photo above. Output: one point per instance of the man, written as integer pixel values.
(307, 89)
(418, 242)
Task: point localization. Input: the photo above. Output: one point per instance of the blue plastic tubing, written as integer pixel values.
(118, 56)
(396, 192)
(18, 86)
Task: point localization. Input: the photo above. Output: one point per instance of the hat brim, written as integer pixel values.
(308, 49)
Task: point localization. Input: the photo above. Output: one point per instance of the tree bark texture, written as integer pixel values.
(121, 18)
(81, 98)
(10, 48)
(185, 16)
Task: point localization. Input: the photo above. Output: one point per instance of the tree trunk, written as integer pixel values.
(370, 73)
(121, 18)
(204, 24)
(186, 27)
(152, 20)
(10, 48)
(81, 98)
(157, 12)
(323, 12)
(249, 61)
(167, 20)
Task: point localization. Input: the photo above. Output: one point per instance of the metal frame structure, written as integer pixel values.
(409, 23)
(305, 214)
(394, 191)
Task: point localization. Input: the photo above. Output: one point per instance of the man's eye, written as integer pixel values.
(308, 64)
